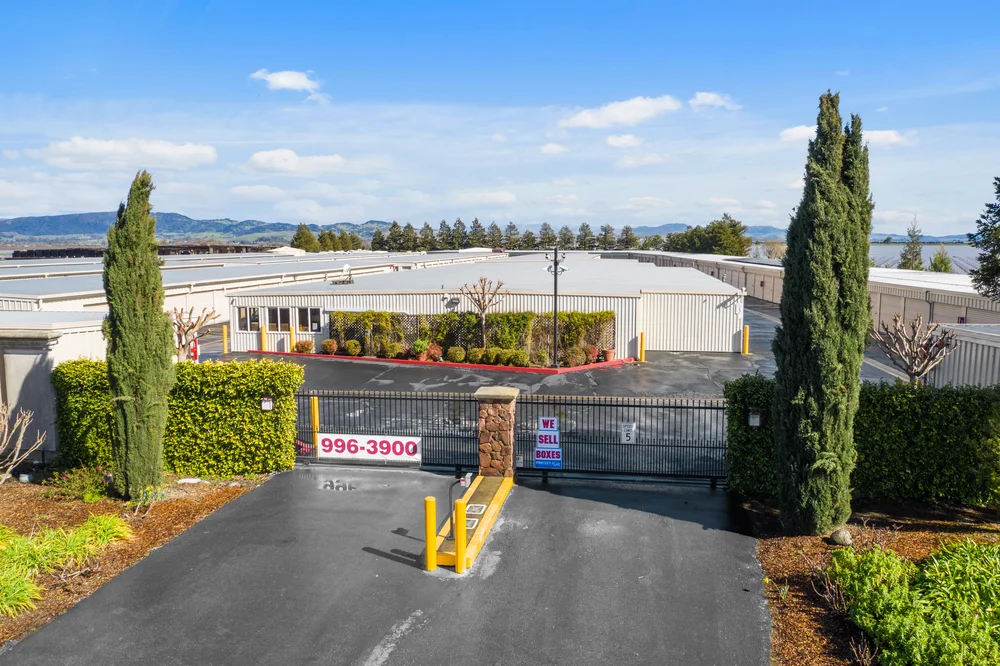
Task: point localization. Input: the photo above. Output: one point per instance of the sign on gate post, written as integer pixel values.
(628, 433)
(548, 453)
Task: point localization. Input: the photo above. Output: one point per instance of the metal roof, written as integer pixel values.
(48, 319)
(585, 274)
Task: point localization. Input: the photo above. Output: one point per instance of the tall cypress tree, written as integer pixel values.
(824, 321)
(140, 344)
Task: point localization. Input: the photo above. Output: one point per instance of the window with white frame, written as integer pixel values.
(278, 319)
(248, 319)
(309, 321)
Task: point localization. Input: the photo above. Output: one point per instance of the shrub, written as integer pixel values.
(925, 444)
(352, 348)
(89, 484)
(394, 350)
(434, 351)
(944, 612)
(455, 354)
(509, 330)
(215, 426)
(475, 355)
(591, 352)
(502, 356)
(520, 359)
(490, 356)
(540, 357)
(574, 357)
(420, 346)
(304, 347)
(329, 346)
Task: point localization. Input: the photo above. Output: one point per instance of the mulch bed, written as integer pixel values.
(805, 630)
(25, 508)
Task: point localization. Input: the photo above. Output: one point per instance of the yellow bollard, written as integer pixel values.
(314, 410)
(746, 339)
(430, 534)
(263, 338)
(642, 346)
(225, 340)
(291, 339)
(460, 536)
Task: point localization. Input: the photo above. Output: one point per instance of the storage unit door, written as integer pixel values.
(948, 314)
(977, 316)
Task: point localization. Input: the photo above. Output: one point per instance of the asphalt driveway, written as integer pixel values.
(298, 572)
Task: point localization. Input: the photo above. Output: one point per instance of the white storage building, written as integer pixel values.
(678, 309)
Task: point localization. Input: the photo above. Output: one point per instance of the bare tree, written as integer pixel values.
(187, 326)
(12, 448)
(484, 296)
(774, 249)
(914, 348)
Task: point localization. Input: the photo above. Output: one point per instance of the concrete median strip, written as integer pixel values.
(489, 492)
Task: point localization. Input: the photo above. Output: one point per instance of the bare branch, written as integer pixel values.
(12, 449)
(914, 348)
(484, 295)
(187, 326)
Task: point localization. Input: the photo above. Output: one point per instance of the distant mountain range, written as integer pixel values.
(91, 227)
(169, 226)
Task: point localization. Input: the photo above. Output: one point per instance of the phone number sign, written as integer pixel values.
(382, 448)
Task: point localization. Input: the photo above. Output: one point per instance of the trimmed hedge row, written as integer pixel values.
(928, 444)
(215, 426)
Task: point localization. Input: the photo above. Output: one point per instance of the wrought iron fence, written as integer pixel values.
(671, 437)
(447, 422)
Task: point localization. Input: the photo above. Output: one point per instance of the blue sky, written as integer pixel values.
(628, 113)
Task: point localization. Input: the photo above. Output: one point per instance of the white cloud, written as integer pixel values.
(765, 204)
(567, 211)
(562, 198)
(798, 133)
(563, 182)
(553, 148)
(894, 216)
(11, 154)
(287, 80)
(796, 184)
(307, 210)
(633, 161)
(881, 109)
(719, 201)
(623, 141)
(258, 192)
(843, 72)
(288, 162)
(81, 153)
(645, 206)
(487, 198)
(889, 138)
(704, 100)
(499, 138)
(629, 112)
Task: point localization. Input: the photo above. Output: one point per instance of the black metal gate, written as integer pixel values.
(669, 436)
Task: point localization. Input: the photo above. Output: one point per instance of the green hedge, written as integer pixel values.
(914, 443)
(215, 426)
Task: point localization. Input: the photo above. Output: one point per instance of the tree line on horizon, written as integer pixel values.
(724, 236)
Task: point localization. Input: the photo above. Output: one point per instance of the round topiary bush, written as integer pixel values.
(455, 354)
(490, 356)
(329, 346)
(503, 356)
(520, 359)
(475, 355)
(574, 357)
(434, 352)
(304, 347)
(393, 349)
(352, 348)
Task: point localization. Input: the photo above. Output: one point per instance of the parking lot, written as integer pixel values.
(321, 566)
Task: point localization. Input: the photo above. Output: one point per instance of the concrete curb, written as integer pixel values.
(617, 363)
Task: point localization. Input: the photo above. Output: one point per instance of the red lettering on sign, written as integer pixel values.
(548, 424)
(542, 454)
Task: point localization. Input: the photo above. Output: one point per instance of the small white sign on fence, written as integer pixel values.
(628, 433)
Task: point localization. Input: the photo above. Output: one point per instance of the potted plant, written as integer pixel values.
(609, 354)
(420, 349)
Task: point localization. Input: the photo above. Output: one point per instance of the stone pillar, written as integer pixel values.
(496, 430)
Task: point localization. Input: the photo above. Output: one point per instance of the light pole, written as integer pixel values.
(556, 269)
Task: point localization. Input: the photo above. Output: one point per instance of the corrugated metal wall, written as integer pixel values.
(974, 362)
(686, 322)
(17, 304)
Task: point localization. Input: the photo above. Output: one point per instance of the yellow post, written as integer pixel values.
(746, 339)
(642, 346)
(460, 536)
(314, 410)
(225, 339)
(430, 534)
(291, 339)
(263, 338)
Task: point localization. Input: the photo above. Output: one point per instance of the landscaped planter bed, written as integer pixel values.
(471, 366)
(26, 508)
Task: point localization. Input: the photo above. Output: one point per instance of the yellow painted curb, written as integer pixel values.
(482, 531)
(446, 558)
